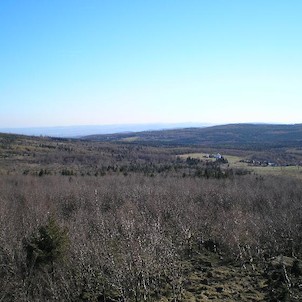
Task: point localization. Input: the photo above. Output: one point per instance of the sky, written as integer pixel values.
(101, 62)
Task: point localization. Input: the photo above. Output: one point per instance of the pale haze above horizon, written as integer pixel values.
(162, 61)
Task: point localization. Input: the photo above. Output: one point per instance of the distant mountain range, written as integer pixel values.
(237, 136)
(80, 131)
(240, 136)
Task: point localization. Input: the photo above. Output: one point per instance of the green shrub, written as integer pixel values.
(47, 246)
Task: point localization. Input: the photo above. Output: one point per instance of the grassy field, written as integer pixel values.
(235, 162)
(130, 139)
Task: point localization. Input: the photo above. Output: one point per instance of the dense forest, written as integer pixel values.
(83, 220)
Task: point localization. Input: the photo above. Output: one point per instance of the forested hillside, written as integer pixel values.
(92, 221)
(241, 136)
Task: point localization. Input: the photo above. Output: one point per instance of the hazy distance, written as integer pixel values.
(79, 131)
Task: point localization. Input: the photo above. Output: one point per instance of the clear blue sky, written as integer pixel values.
(72, 62)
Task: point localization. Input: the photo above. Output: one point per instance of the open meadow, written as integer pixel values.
(239, 162)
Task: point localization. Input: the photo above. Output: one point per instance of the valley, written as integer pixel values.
(87, 220)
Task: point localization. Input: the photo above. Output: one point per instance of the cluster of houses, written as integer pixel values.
(217, 156)
(263, 163)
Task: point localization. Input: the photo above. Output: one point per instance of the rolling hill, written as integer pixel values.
(240, 136)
